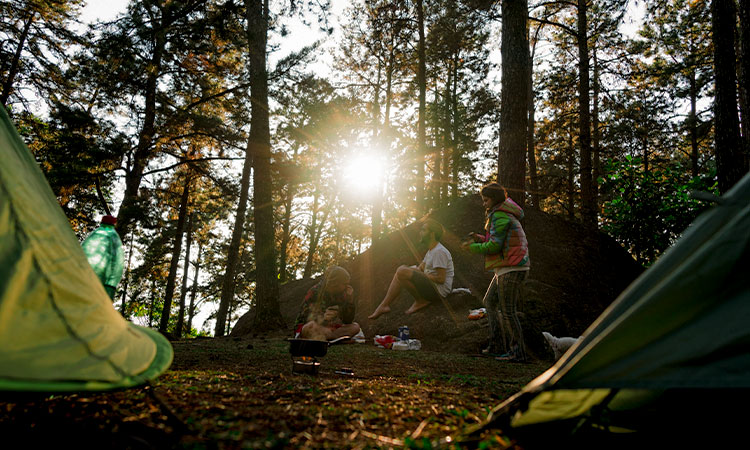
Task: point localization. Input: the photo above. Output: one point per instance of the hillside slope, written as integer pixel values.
(574, 275)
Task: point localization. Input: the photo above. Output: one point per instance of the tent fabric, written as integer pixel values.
(682, 326)
(58, 328)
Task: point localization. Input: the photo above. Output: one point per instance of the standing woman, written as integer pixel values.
(507, 254)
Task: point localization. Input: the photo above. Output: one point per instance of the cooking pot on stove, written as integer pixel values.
(312, 347)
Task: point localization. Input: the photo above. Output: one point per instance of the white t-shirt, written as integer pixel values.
(439, 257)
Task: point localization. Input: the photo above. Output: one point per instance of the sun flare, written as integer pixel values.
(364, 174)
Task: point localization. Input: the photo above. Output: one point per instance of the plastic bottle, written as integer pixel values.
(103, 249)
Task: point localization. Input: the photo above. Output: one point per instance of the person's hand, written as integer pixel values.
(466, 244)
(421, 267)
(331, 313)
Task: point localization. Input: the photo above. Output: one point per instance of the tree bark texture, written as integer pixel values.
(421, 149)
(268, 315)
(15, 63)
(144, 148)
(744, 76)
(177, 250)
(194, 288)
(588, 212)
(185, 269)
(514, 103)
(730, 161)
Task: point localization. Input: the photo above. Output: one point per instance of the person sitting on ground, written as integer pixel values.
(328, 308)
(430, 281)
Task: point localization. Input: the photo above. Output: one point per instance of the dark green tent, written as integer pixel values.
(669, 357)
(58, 329)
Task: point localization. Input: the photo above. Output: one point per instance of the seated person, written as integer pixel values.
(430, 281)
(328, 308)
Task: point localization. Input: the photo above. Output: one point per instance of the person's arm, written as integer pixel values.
(438, 277)
(498, 230)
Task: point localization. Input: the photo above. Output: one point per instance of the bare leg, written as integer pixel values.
(314, 330)
(402, 274)
(349, 329)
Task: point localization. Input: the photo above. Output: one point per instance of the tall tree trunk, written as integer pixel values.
(455, 157)
(126, 277)
(421, 131)
(194, 288)
(588, 213)
(307, 272)
(437, 159)
(693, 123)
(153, 303)
(285, 234)
(596, 143)
(730, 161)
(377, 205)
(514, 101)
(185, 270)
(570, 181)
(14, 64)
(171, 279)
(134, 175)
(267, 314)
(744, 76)
(530, 143)
(446, 147)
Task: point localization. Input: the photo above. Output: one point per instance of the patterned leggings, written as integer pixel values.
(502, 300)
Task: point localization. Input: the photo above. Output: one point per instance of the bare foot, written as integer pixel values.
(416, 307)
(379, 311)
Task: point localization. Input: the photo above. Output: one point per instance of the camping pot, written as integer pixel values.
(311, 347)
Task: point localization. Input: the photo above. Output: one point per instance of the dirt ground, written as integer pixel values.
(232, 393)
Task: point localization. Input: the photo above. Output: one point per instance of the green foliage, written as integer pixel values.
(649, 209)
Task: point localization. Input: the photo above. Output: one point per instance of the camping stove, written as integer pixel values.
(305, 364)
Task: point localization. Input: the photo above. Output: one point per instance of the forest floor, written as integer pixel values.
(241, 393)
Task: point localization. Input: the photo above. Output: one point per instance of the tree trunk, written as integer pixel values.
(285, 234)
(530, 144)
(133, 177)
(571, 174)
(456, 156)
(514, 103)
(446, 147)
(596, 143)
(194, 288)
(268, 315)
(730, 161)
(13, 70)
(171, 279)
(588, 213)
(185, 270)
(693, 123)
(421, 132)
(744, 76)
(126, 277)
(377, 207)
(153, 303)
(307, 272)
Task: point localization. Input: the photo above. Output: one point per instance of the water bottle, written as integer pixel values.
(403, 333)
(103, 249)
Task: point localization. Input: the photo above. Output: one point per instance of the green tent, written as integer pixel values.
(58, 329)
(670, 356)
